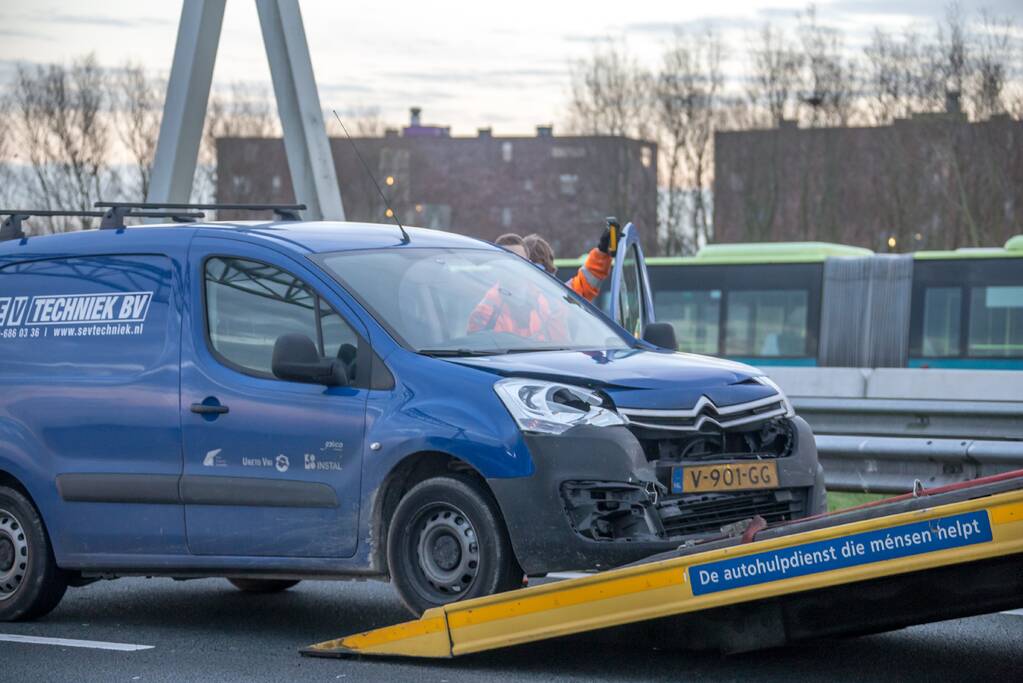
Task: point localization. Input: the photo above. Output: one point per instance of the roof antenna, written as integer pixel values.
(405, 239)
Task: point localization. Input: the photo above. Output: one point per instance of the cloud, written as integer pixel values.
(21, 33)
(785, 13)
(587, 38)
(700, 24)
(104, 20)
(921, 9)
(498, 77)
(341, 88)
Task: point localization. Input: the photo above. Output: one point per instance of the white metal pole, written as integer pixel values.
(298, 104)
(188, 92)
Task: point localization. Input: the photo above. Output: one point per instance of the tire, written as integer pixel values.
(262, 586)
(447, 542)
(31, 584)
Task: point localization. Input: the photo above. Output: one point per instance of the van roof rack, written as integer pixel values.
(11, 229)
(285, 212)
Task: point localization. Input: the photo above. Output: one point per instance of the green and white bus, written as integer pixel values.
(820, 304)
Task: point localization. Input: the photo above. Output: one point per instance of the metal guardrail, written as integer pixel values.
(878, 464)
(880, 430)
(949, 419)
(885, 445)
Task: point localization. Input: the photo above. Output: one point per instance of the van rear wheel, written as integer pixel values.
(447, 542)
(262, 585)
(31, 584)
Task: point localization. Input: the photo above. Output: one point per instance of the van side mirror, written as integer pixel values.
(296, 359)
(660, 334)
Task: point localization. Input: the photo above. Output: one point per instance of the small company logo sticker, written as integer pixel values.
(213, 459)
(321, 465)
(281, 463)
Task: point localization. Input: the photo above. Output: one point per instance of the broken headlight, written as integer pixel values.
(553, 408)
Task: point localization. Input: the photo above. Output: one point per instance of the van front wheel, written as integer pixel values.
(31, 584)
(447, 542)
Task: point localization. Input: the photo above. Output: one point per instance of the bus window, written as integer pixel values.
(695, 316)
(996, 321)
(764, 323)
(941, 321)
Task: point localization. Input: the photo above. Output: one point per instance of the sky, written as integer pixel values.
(467, 64)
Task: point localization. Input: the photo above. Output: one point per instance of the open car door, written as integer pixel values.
(630, 303)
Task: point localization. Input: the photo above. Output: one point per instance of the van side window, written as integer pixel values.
(339, 340)
(250, 304)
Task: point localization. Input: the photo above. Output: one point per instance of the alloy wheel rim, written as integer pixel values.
(13, 554)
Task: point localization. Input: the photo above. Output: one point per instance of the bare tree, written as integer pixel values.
(774, 75)
(899, 76)
(361, 122)
(886, 76)
(827, 79)
(242, 111)
(7, 181)
(950, 56)
(137, 111)
(992, 60)
(1014, 101)
(61, 125)
(610, 95)
(686, 105)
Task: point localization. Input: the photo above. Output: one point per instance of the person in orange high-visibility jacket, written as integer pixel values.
(525, 312)
(594, 270)
(530, 316)
(586, 282)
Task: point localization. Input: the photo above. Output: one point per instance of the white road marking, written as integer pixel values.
(66, 642)
(1015, 612)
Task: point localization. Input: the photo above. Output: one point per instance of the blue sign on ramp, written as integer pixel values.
(916, 538)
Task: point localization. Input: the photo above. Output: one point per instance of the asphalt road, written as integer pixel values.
(208, 631)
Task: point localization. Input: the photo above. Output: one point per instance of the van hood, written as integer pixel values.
(636, 378)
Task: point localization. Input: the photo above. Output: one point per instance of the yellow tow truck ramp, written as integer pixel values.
(932, 555)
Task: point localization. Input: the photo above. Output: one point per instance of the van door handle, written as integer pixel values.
(204, 409)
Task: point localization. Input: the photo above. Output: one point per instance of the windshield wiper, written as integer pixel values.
(451, 353)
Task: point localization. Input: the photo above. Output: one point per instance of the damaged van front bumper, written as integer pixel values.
(600, 498)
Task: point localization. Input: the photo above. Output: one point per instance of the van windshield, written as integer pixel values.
(467, 302)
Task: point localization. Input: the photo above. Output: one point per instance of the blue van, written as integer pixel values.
(277, 401)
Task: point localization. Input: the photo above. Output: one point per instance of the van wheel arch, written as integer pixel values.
(38, 582)
(412, 470)
(10, 481)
